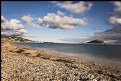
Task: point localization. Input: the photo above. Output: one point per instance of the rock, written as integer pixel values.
(53, 80)
(86, 76)
(20, 51)
(90, 76)
(100, 72)
(94, 80)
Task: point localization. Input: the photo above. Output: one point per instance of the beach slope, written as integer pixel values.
(20, 63)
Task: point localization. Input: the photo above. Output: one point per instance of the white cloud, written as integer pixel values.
(60, 13)
(114, 20)
(78, 7)
(57, 21)
(29, 20)
(12, 27)
(54, 1)
(117, 5)
(2, 19)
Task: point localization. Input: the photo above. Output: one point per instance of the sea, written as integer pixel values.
(98, 51)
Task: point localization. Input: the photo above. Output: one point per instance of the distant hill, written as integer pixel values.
(96, 42)
(16, 39)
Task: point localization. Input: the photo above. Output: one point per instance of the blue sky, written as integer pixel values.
(97, 15)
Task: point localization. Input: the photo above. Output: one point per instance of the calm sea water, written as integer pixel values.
(106, 51)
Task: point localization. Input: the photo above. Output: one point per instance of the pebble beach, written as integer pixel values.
(21, 63)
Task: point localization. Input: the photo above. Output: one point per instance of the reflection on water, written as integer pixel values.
(107, 51)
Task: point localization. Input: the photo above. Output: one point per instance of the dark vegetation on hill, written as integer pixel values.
(96, 41)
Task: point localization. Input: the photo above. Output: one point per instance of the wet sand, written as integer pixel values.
(20, 63)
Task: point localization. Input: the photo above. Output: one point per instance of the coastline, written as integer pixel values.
(23, 63)
(82, 56)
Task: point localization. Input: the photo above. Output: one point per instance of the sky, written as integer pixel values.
(62, 21)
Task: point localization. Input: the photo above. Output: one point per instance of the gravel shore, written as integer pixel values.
(20, 63)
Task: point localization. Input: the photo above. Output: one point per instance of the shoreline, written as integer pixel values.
(25, 64)
(74, 43)
(85, 57)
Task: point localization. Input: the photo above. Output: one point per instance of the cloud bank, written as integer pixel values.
(112, 35)
(60, 21)
(77, 8)
(12, 27)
